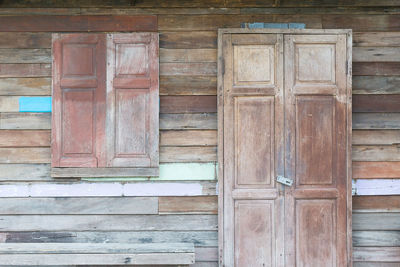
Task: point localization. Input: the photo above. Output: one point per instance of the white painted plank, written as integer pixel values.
(163, 189)
(370, 187)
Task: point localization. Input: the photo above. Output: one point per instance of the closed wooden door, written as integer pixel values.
(284, 111)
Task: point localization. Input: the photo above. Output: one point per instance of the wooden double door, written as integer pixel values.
(284, 117)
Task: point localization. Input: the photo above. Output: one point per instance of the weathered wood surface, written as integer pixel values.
(24, 138)
(376, 85)
(199, 238)
(25, 70)
(25, 86)
(25, 40)
(376, 238)
(189, 69)
(376, 203)
(199, 205)
(187, 104)
(188, 154)
(188, 138)
(28, 121)
(188, 40)
(11, 55)
(188, 85)
(376, 54)
(77, 23)
(382, 254)
(376, 103)
(70, 206)
(24, 155)
(376, 121)
(373, 170)
(376, 153)
(108, 222)
(376, 221)
(376, 68)
(367, 23)
(104, 172)
(376, 39)
(206, 121)
(24, 172)
(375, 137)
(187, 55)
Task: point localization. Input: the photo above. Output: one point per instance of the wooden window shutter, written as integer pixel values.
(132, 100)
(78, 122)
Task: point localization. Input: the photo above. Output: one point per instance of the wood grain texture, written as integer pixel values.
(24, 138)
(25, 121)
(376, 54)
(70, 206)
(376, 238)
(77, 23)
(366, 39)
(25, 40)
(188, 40)
(12, 55)
(187, 55)
(24, 172)
(188, 138)
(25, 86)
(25, 155)
(376, 103)
(361, 23)
(376, 170)
(206, 121)
(382, 254)
(188, 154)
(374, 203)
(376, 85)
(25, 70)
(108, 223)
(376, 153)
(376, 121)
(376, 137)
(188, 85)
(188, 104)
(200, 238)
(198, 205)
(376, 68)
(189, 69)
(9, 104)
(376, 221)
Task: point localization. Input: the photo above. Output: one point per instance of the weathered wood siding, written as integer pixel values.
(179, 208)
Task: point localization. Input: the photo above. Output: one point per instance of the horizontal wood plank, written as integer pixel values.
(376, 120)
(376, 103)
(376, 54)
(190, 69)
(361, 23)
(77, 23)
(25, 172)
(188, 40)
(214, 22)
(39, 121)
(376, 238)
(375, 137)
(376, 68)
(104, 172)
(188, 138)
(187, 55)
(25, 86)
(188, 85)
(188, 154)
(199, 238)
(25, 155)
(9, 104)
(13, 55)
(376, 85)
(374, 203)
(25, 70)
(381, 254)
(24, 138)
(374, 170)
(108, 222)
(376, 39)
(25, 40)
(201, 204)
(206, 121)
(374, 187)
(376, 153)
(70, 206)
(376, 221)
(187, 104)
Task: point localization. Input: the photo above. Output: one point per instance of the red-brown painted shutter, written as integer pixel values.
(132, 100)
(78, 122)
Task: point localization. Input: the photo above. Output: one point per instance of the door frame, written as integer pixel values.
(220, 97)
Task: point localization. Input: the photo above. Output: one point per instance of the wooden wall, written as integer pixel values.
(37, 208)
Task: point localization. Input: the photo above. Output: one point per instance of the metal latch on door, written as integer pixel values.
(284, 180)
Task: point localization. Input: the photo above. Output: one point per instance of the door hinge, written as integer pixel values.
(284, 180)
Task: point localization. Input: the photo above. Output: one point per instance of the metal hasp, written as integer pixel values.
(284, 180)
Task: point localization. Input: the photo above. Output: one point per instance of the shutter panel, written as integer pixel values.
(78, 120)
(132, 100)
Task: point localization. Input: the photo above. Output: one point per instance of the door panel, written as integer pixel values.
(253, 143)
(284, 104)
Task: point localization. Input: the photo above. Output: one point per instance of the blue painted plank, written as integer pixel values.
(35, 104)
(297, 26)
(276, 25)
(264, 25)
